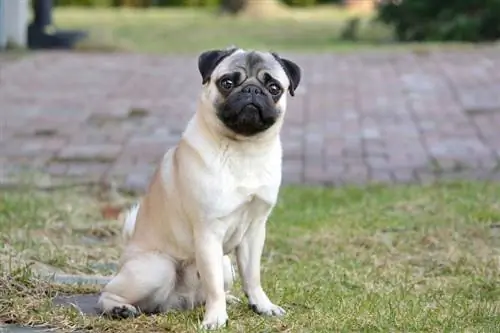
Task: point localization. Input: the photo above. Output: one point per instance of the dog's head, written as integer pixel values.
(247, 90)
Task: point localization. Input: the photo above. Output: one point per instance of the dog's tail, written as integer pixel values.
(129, 222)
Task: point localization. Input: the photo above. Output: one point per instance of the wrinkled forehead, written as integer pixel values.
(253, 64)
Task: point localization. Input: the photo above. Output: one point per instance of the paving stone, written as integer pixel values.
(404, 176)
(466, 174)
(382, 117)
(21, 329)
(374, 148)
(77, 279)
(315, 174)
(90, 152)
(489, 163)
(30, 147)
(93, 171)
(381, 176)
(377, 162)
(355, 174)
(370, 133)
(293, 171)
(57, 168)
(138, 180)
(85, 303)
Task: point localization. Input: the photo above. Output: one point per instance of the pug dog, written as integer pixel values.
(210, 196)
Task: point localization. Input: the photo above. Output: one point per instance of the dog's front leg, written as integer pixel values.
(248, 256)
(209, 261)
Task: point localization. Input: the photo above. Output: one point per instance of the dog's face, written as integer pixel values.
(247, 89)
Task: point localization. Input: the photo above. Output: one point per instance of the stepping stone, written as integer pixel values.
(85, 303)
(76, 279)
(20, 329)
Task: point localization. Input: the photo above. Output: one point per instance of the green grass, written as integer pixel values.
(193, 30)
(376, 259)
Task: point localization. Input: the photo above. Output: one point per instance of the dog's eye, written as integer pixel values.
(274, 89)
(226, 84)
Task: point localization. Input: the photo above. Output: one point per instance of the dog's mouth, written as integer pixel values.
(249, 120)
(252, 109)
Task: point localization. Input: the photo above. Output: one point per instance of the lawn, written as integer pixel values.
(193, 30)
(375, 259)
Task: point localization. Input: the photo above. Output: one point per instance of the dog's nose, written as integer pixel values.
(252, 89)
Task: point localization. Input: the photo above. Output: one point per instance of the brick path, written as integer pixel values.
(391, 117)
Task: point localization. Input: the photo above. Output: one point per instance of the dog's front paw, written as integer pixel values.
(123, 312)
(269, 309)
(214, 320)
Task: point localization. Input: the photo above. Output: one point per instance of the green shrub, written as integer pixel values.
(84, 3)
(200, 3)
(188, 3)
(138, 3)
(301, 3)
(174, 3)
(438, 20)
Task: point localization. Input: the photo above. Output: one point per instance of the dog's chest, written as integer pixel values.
(246, 193)
(241, 220)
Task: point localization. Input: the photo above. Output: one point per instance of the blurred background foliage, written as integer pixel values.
(411, 20)
(450, 20)
(177, 3)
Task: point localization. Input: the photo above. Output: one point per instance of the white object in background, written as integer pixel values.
(3, 36)
(14, 21)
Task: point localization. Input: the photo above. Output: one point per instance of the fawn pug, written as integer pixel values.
(211, 196)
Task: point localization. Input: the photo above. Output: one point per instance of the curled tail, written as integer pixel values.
(129, 222)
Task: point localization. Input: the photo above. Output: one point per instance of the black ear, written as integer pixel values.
(292, 70)
(208, 60)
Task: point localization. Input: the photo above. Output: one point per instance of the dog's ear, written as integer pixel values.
(208, 60)
(292, 70)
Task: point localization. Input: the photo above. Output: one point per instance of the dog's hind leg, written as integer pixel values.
(229, 277)
(143, 284)
(188, 292)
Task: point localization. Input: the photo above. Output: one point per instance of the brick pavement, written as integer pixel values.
(357, 118)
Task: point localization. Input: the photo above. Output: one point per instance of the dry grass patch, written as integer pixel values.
(61, 231)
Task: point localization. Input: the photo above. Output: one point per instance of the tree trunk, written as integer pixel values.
(233, 7)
